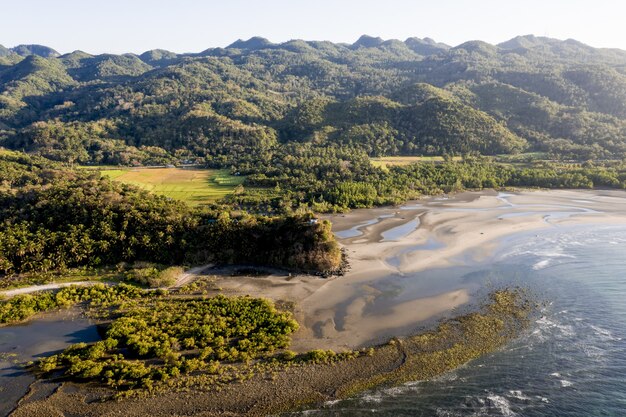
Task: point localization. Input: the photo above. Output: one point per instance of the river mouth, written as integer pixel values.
(45, 335)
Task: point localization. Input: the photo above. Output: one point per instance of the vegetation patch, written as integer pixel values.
(22, 307)
(151, 340)
(153, 275)
(194, 186)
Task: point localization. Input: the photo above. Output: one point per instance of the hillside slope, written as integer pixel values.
(386, 97)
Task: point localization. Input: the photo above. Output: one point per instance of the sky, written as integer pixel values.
(120, 26)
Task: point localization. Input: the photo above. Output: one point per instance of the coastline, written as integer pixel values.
(344, 313)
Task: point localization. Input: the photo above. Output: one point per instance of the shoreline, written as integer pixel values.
(398, 246)
(287, 387)
(374, 302)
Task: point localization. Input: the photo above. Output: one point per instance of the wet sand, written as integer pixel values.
(390, 249)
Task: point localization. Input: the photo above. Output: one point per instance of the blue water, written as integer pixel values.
(44, 336)
(571, 362)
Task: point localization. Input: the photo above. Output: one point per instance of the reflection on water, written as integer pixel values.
(356, 230)
(26, 342)
(401, 231)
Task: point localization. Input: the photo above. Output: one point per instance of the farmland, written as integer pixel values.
(194, 186)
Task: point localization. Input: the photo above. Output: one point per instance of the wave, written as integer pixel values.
(546, 326)
(541, 264)
(564, 382)
(519, 395)
(501, 404)
(604, 334)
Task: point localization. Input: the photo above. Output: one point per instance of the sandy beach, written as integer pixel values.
(390, 249)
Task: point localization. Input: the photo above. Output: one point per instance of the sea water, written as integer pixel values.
(572, 360)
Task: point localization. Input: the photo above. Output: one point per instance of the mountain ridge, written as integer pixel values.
(259, 42)
(383, 97)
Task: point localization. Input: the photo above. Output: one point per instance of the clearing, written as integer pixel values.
(385, 161)
(194, 186)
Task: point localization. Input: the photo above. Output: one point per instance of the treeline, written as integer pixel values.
(329, 178)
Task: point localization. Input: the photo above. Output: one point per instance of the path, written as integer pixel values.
(44, 287)
(190, 275)
(182, 280)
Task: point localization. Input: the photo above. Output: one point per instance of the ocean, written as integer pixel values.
(572, 360)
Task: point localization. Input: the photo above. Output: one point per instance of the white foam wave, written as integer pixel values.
(604, 334)
(545, 325)
(564, 382)
(372, 398)
(594, 352)
(501, 404)
(446, 413)
(309, 412)
(519, 395)
(395, 391)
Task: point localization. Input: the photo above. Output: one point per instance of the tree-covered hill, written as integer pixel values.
(52, 218)
(384, 97)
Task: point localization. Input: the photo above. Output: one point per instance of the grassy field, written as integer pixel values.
(194, 186)
(523, 158)
(387, 161)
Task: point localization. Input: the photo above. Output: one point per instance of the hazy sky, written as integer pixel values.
(191, 26)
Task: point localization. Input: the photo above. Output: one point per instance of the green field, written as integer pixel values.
(386, 161)
(194, 186)
(524, 158)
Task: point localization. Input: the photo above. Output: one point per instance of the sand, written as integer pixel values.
(397, 245)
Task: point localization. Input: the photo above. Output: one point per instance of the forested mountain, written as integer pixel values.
(383, 97)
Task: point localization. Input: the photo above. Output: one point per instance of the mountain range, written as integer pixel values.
(384, 97)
